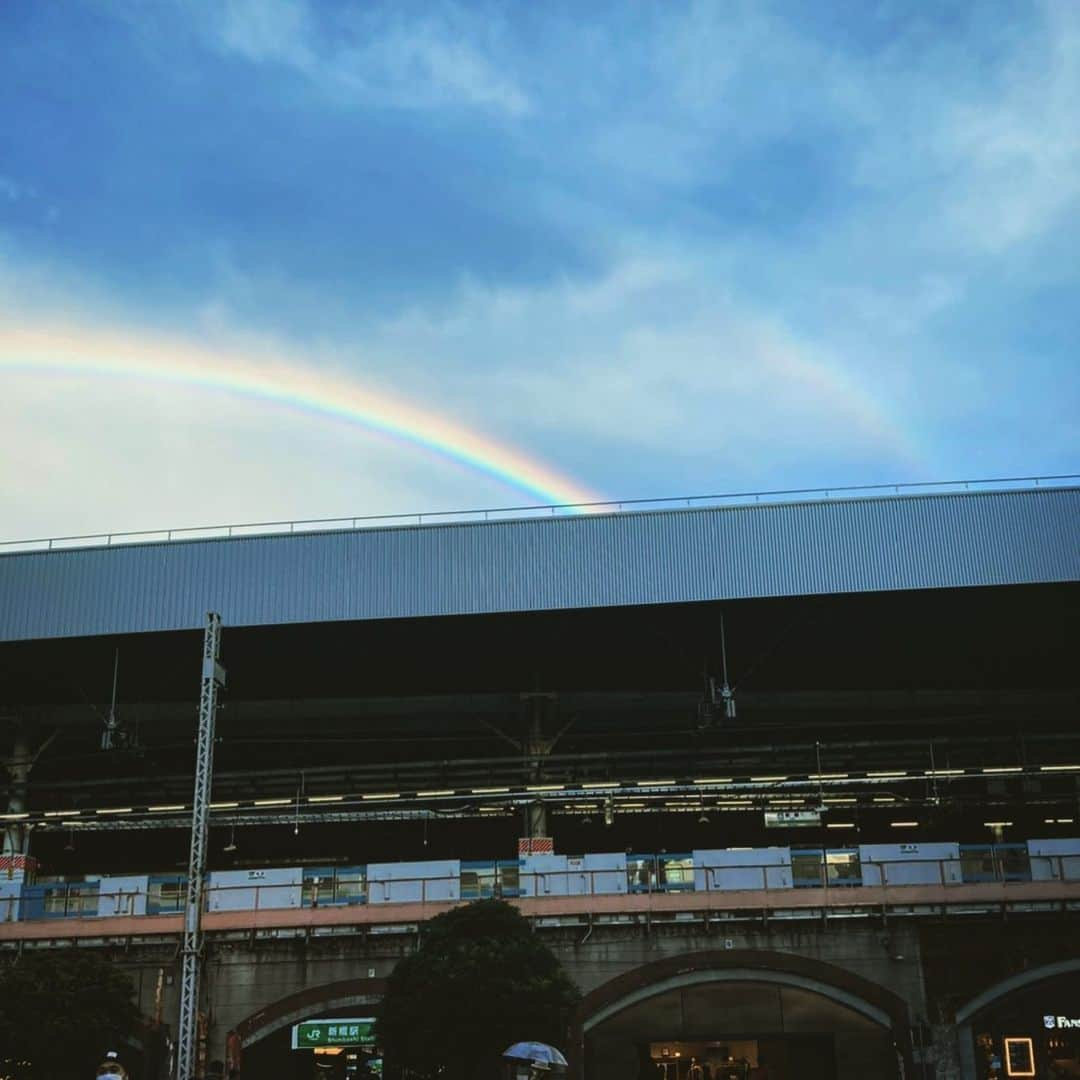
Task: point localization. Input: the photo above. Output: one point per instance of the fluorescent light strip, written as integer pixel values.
(272, 802)
(828, 776)
(546, 787)
(656, 783)
(58, 813)
(904, 824)
(840, 799)
(884, 798)
(490, 790)
(883, 775)
(326, 798)
(765, 779)
(997, 824)
(116, 810)
(13, 817)
(431, 794)
(1003, 768)
(383, 795)
(944, 772)
(840, 825)
(715, 780)
(225, 805)
(598, 785)
(169, 809)
(1059, 768)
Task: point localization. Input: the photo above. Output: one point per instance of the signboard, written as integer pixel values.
(309, 1034)
(776, 819)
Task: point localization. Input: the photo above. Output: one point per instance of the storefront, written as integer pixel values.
(1033, 1032)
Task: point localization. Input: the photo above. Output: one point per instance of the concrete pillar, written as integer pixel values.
(16, 834)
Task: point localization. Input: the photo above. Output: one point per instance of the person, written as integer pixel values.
(111, 1069)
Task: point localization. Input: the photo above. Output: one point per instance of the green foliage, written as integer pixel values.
(480, 981)
(59, 1012)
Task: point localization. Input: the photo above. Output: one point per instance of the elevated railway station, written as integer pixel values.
(755, 769)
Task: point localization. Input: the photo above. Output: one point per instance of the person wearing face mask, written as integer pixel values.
(111, 1069)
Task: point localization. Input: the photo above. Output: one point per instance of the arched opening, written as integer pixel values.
(264, 1039)
(1028, 1024)
(741, 1015)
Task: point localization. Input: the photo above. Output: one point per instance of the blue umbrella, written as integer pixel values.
(537, 1053)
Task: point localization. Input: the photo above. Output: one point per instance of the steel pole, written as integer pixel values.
(213, 678)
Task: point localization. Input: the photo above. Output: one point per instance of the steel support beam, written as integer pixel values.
(213, 678)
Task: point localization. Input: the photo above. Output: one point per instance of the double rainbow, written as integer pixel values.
(283, 382)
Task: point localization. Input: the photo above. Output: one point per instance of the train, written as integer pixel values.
(599, 874)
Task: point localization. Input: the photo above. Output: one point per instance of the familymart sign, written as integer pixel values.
(311, 1034)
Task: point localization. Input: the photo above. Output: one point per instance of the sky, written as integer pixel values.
(275, 259)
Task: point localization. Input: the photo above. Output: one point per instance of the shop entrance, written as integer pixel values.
(738, 1030)
(790, 1057)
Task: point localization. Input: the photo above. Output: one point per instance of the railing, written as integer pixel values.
(503, 513)
(775, 880)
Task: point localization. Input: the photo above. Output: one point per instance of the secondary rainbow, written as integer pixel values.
(272, 378)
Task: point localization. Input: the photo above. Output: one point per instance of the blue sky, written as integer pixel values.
(666, 248)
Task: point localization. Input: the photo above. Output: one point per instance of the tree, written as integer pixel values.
(59, 1012)
(480, 981)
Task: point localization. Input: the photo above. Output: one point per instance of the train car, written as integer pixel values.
(248, 890)
(401, 883)
(910, 864)
(995, 862)
(660, 873)
(123, 895)
(1054, 860)
(334, 886)
(734, 869)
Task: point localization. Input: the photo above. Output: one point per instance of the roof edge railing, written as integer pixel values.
(502, 513)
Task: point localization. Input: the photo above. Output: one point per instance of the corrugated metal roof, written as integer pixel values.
(785, 549)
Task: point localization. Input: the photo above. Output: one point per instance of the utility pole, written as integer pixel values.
(213, 679)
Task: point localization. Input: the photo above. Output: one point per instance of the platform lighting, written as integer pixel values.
(601, 784)
(904, 824)
(1059, 768)
(885, 775)
(224, 805)
(944, 772)
(828, 776)
(117, 810)
(435, 794)
(609, 810)
(1003, 768)
(715, 780)
(546, 787)
(326, 798)
(382, 795)
(170, 808)
(766, 779)
(840, 825)
(997, 824)
(490, 790)
(656, 783)
(272, 802)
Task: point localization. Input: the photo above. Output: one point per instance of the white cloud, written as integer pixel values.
(439, 61)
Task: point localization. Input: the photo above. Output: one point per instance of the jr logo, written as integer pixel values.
(1050, 1022)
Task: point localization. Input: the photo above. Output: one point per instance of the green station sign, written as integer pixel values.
(309, 1034)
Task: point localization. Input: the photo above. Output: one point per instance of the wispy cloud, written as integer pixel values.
(375, 57)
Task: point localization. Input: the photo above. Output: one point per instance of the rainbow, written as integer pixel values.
(281, 381)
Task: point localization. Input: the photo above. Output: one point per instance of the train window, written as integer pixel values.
(470, 885)
(350, 887)
(640, 873)
(977, 862)
(676, 871)
(509, 879)
(318, 888)
(55, 900)
(165, 896)
(842, 868)
(806, 869)
(1014, 862)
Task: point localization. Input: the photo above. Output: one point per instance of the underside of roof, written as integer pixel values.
(794, 549)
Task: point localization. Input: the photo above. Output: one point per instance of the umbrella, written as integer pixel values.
(537, 1053)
